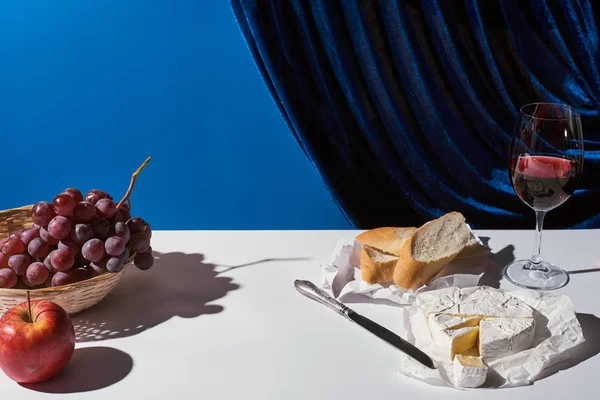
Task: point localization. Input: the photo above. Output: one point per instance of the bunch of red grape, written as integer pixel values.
(74, 239)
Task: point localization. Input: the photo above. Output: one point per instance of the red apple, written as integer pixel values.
(36, 349)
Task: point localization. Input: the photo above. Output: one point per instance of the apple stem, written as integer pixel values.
(133, 178)
(29, 307)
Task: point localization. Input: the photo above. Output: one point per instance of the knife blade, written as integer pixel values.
(311, 291)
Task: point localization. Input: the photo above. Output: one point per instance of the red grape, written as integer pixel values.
(144, 261)
(8, 278)
(37, 273)
(124, 212)
(62, 278)
(47, 238)
(29, 234)
(42, 213)
(125, 256)
(38, 248)
(100, 227)
(84, 212)
(136, 224)
(114, 264)
(114, 246)
(62, 259)
(93, 250)
(69, 244)
(94, 195)
(16, 233)
(117, 217)
(82, 233)
(60, 227)
(13, 246)
(140, 242)
(122, 231)
(48, 262)
(63, 204)
(96, 269)
(3, 260)
(106, 208)
(74, 193)
(19, 263)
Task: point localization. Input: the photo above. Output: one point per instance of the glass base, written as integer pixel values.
(541, 276)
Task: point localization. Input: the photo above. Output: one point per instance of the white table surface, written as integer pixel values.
(190, 328)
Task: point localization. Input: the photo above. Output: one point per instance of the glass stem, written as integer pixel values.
(537, 243)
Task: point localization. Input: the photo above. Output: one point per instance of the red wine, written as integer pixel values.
(544, 182)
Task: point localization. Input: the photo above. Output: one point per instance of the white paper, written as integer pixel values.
(342, 276)
(557, 330)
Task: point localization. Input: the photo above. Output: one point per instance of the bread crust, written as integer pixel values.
(387, 239)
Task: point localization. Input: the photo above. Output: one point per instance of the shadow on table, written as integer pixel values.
(494, 266)
(177, 285)
(90, 368)
(487, 264)
(590, 325)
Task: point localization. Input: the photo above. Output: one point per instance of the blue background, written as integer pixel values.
(89, 89)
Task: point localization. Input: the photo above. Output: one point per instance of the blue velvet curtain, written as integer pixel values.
(406, 107)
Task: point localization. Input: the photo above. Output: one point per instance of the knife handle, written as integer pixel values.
(311, 291)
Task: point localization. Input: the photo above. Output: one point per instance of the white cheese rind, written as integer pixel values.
(468, 374)
(481, 300)
(501, 337)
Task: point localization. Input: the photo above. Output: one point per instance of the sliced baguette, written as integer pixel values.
(429, 249)
(388, 239)
(377, 266)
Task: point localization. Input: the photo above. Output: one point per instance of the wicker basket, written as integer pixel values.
(73, 298)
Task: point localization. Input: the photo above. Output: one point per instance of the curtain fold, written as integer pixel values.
(406, 107)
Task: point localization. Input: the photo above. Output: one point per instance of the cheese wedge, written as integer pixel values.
(449, 342)
(469, 371)
(501, 337)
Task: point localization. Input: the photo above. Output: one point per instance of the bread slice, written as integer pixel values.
(377, 266)
(429, 249)
(388, 239)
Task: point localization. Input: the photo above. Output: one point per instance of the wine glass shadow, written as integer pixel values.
(90, 368)
(494, 266)
(178, 284)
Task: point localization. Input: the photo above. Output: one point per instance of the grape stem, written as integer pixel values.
(133, 179)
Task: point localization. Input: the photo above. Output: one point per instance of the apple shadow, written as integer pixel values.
(178, 284)
(90, 368)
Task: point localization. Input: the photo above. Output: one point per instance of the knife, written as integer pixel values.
(311, 291)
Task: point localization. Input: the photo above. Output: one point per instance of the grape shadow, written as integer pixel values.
(178, 284)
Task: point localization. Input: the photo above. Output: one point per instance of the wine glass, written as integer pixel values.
(545, 163)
